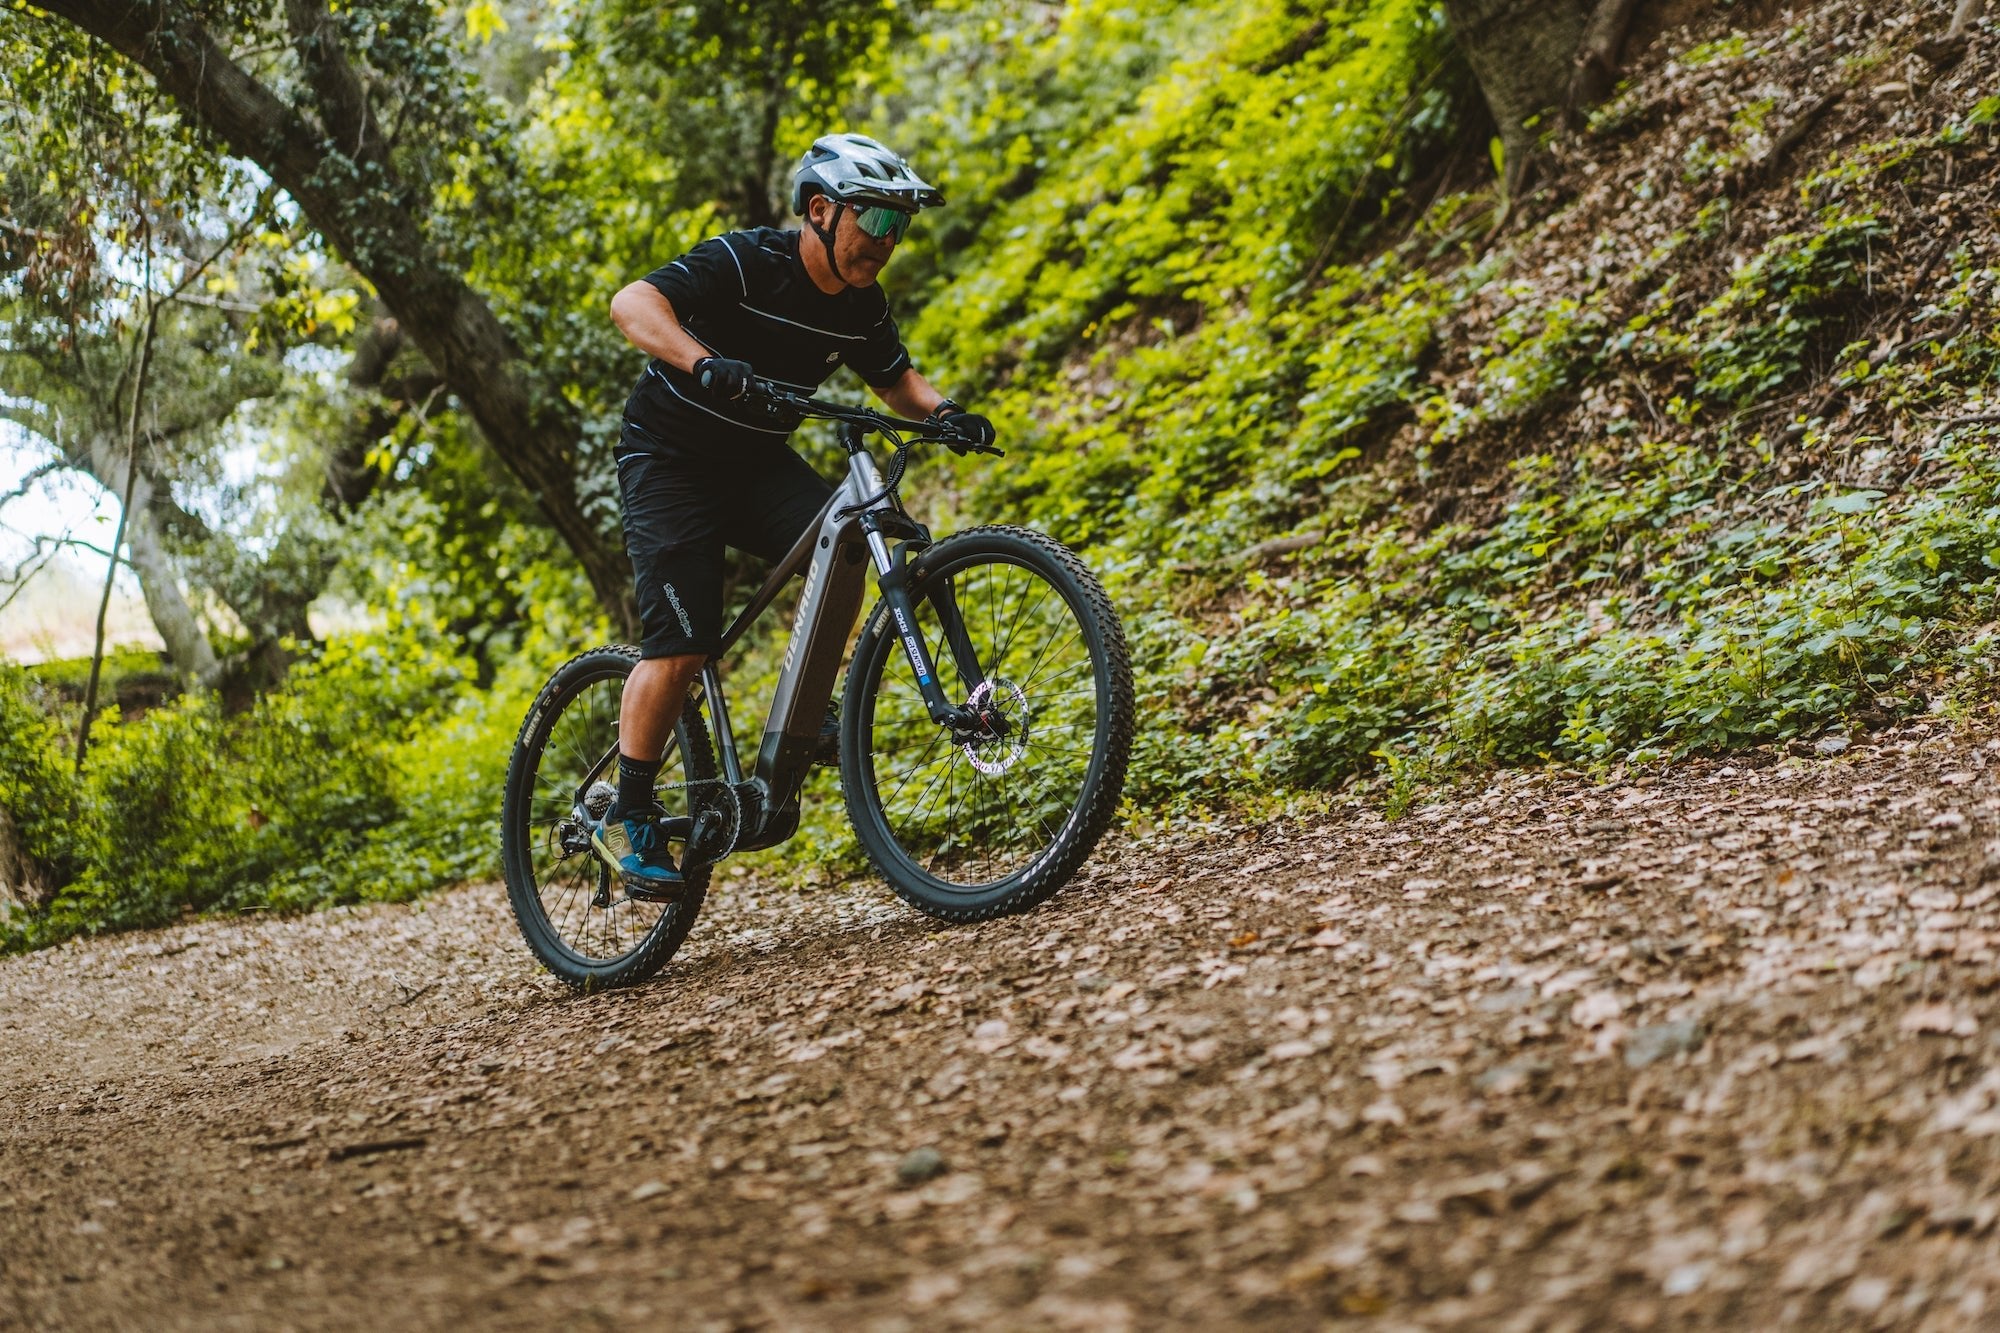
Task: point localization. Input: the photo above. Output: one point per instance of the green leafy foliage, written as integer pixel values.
(1341, 457)
(362, 778)
(1755, 337)
(1214, 184)
(36, 788)
(1645, 596)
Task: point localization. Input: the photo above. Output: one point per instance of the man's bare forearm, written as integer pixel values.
(911, 396)
(647, 320)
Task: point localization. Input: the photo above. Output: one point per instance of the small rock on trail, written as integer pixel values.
(920, 1165)
(1657, 1041)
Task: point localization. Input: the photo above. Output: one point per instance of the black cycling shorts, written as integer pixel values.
(682, 507)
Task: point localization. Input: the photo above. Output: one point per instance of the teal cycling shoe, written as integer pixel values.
(637, 850)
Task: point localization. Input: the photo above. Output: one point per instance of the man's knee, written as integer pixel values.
(674, 668)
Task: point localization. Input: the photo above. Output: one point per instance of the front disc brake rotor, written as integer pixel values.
(1003, 708)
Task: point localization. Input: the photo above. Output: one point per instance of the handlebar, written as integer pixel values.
(899, 432)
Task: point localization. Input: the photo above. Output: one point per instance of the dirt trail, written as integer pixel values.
(1716, 1049)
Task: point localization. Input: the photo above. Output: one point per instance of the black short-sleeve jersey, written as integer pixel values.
(746, 295)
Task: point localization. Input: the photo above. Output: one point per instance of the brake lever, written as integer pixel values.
(961, 446)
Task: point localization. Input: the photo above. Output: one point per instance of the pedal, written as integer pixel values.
(640, 892)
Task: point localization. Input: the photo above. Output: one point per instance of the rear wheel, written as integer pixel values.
(972, 825)
(573, 911)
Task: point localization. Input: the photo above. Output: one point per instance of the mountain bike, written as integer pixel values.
(985, 725)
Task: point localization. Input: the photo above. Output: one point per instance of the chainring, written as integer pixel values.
(717, 795)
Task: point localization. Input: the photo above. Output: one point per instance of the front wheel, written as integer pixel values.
(971, 824)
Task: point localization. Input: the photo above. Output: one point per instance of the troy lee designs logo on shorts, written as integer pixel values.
(680, 612)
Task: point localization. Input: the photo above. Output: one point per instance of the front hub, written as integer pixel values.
(992, 728)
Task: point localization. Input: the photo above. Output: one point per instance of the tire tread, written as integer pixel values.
(667, 935)
(1048, 875)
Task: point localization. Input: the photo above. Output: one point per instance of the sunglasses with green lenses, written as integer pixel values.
(882, 223)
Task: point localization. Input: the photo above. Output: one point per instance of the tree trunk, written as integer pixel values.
(1523, 55)
(1596, 71)
(187, 643)
(340, 177)
(758, 210)
(350, 480)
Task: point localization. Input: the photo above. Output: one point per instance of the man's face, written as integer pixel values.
(859, 256)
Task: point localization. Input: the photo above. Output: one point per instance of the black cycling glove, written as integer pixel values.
(977, 431)
(722, 377)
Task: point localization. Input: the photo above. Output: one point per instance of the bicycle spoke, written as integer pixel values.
(956, 820)
(924, 759)
(918, 825)
(575, 750)
(1034, 675)
(1051, 749)
(1047, 589)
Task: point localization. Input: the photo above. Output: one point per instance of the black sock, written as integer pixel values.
(635, 786)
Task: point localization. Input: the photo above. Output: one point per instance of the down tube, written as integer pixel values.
(830, 603)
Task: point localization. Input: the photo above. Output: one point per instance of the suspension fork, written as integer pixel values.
(893, 577)
(944, 596)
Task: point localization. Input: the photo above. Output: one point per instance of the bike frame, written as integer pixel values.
(852, 533)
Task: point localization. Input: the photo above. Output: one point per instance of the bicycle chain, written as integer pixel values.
(731, 807)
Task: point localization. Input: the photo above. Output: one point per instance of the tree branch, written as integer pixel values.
(337, 90)
(364, 214)
(35, 474)
(171, 44)
(124, 510)
(1946, 51)
(30, 233)
(178, 291)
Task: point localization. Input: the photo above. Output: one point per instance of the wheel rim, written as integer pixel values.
(588, 913)
(969, 817)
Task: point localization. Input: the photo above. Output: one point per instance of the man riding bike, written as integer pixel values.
(702, 466)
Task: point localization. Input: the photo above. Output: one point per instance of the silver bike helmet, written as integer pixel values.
(854, 169)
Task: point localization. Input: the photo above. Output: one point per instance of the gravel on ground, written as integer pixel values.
(1710, 1047)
